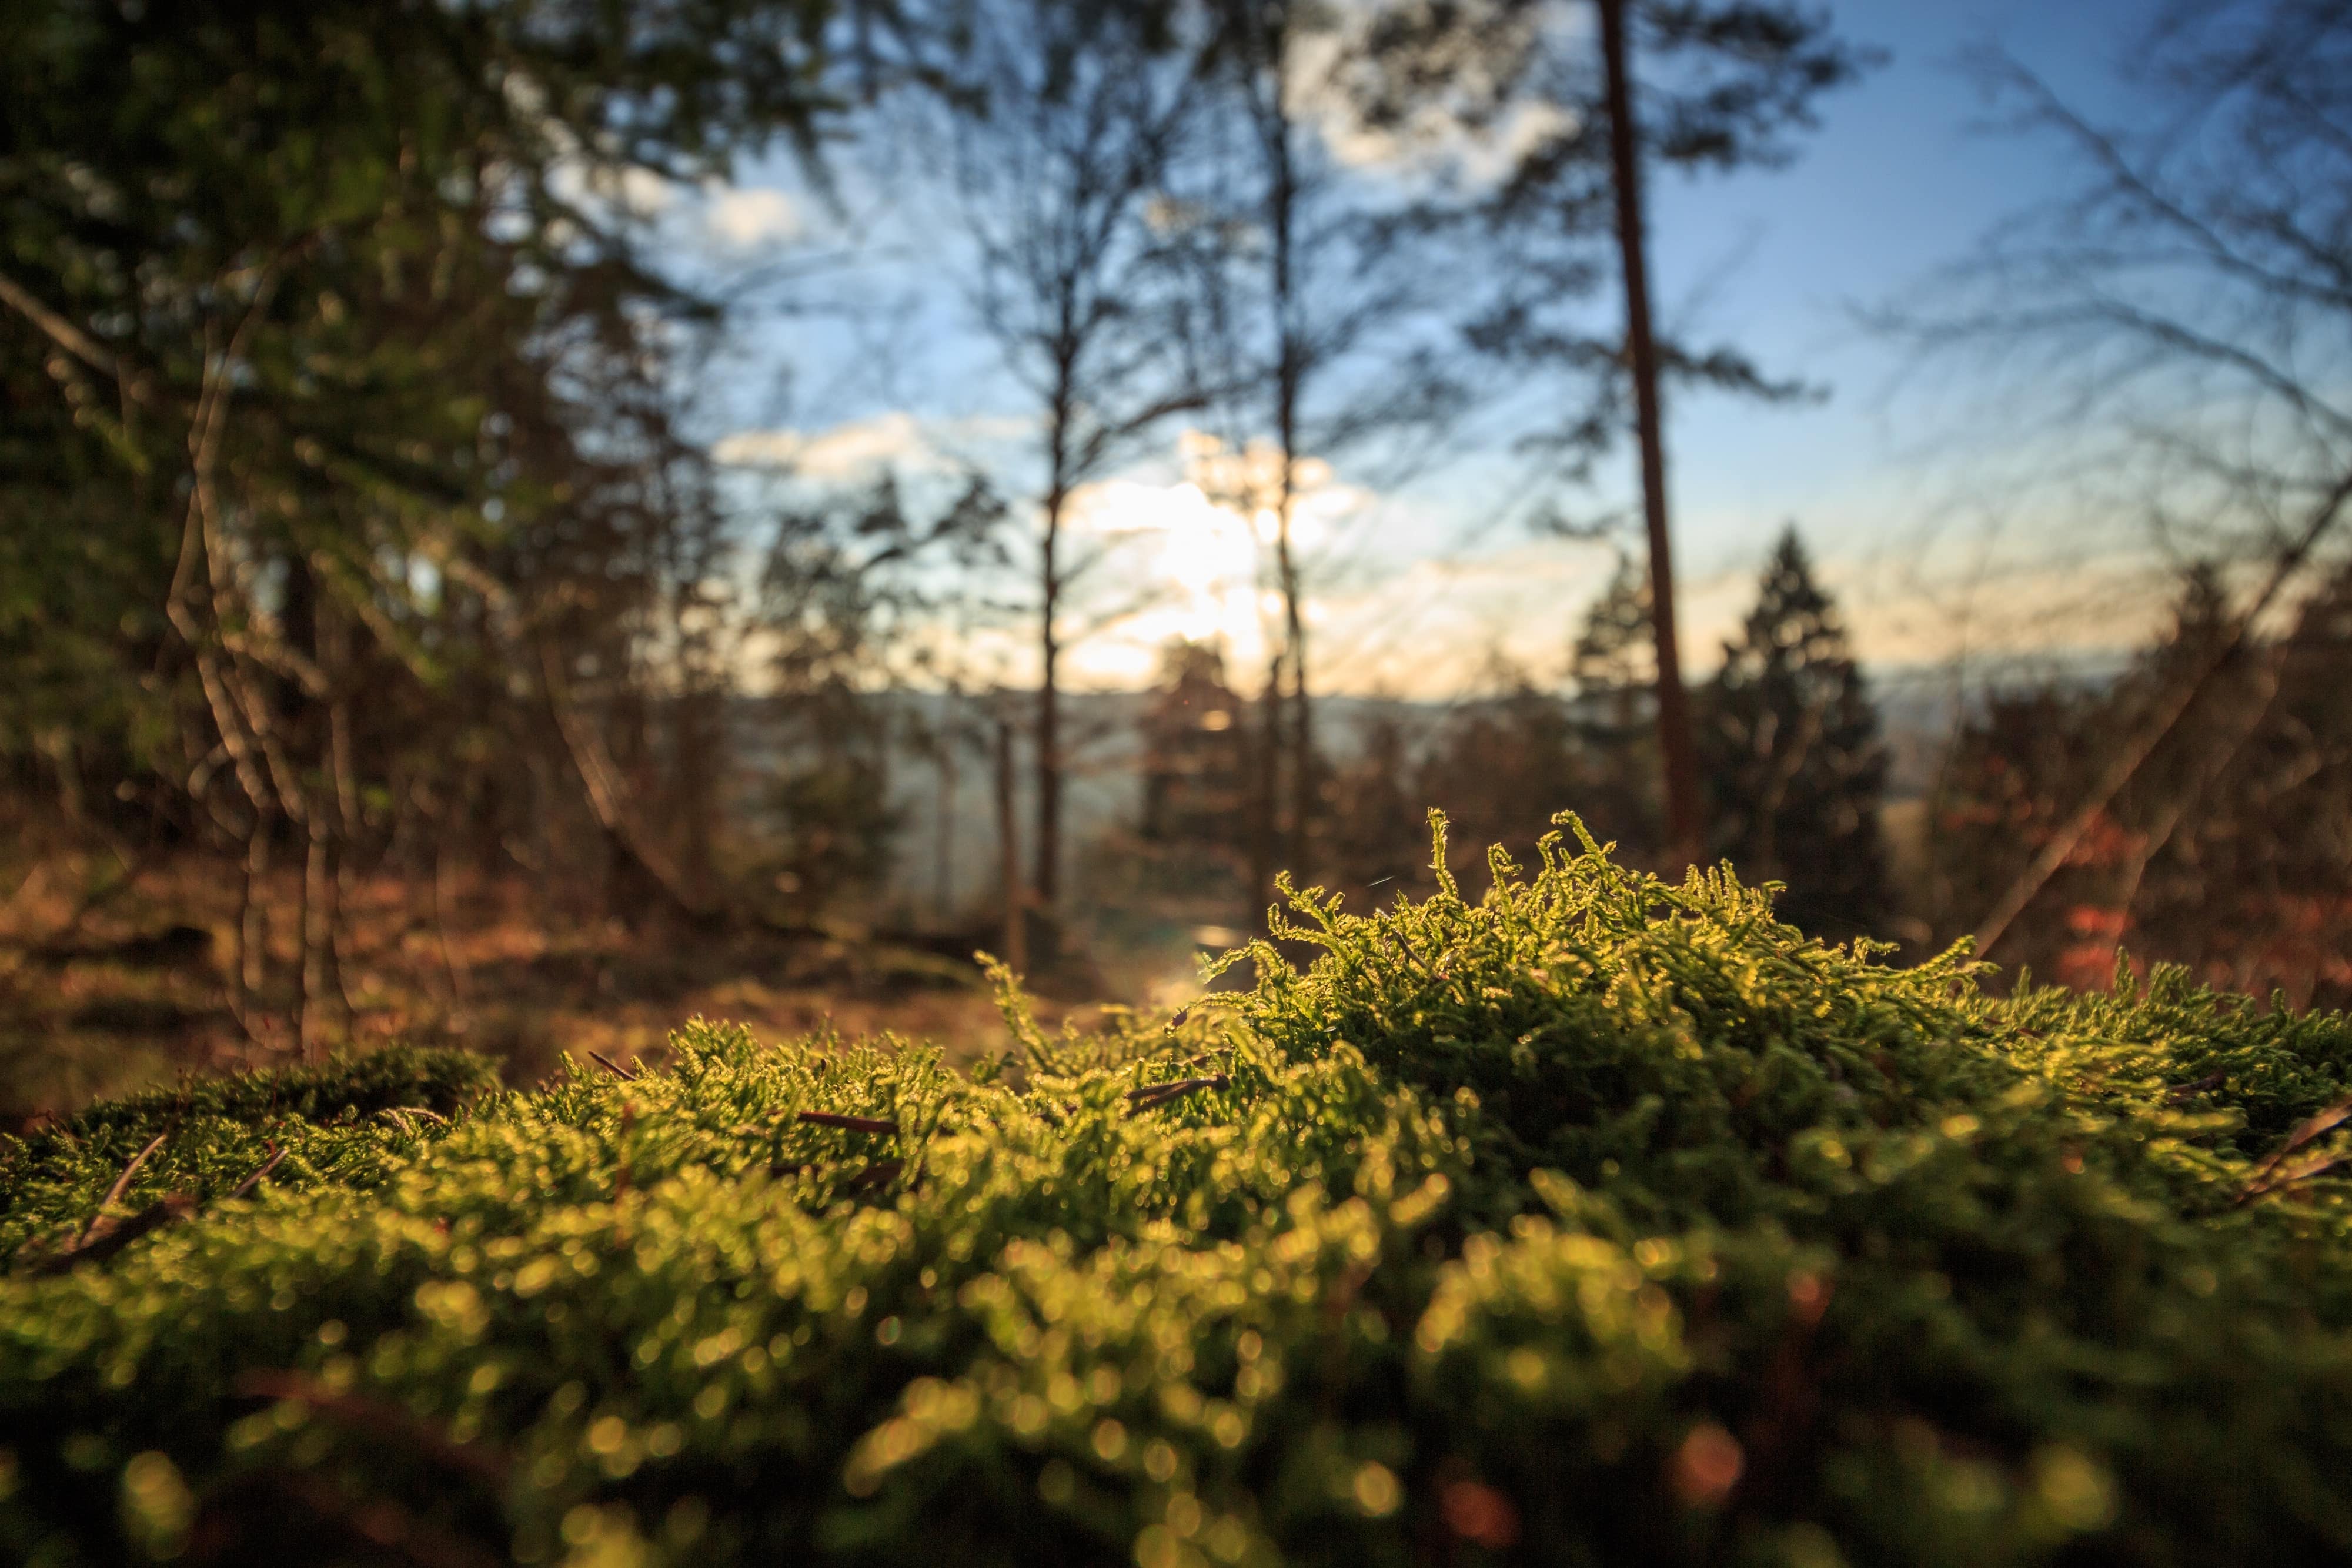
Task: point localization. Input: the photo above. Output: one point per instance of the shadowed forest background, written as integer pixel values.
(522, 522)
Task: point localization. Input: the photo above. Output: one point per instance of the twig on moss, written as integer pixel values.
(850, 1123)
(614, 1068)
(245, 1187)
(881, 1173)
(2270, 1175)
(121, 1184)
(2214, 1080)
(114, 1236)
(105, 1236)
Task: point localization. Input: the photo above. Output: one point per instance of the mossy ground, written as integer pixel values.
(1593, 1221)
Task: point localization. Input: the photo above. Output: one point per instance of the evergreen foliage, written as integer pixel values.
(1789, 746)
(842, 589)
(2228, 851)
(1615, 703)
(1369, 828)
(354, 258)
(1497, 757)
(1597, 1220)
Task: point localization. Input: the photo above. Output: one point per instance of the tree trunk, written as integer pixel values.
(1264, 828)
(445, 827)
(1008, 844)
(1301, 738)
(944, 851)
(697, 776)
(250, 974)
(1289, 370)
(1686, 820)
(1045, 879)
(319, 914)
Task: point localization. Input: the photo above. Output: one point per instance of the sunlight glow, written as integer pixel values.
(1204, 558)
(1203, 553)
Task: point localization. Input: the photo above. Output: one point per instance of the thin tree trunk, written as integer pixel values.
(1008, 842)
(1301, 739)
(608, 798)
(1044, 883)
(315, 1020)
(944, 869)
(1685, 814)
(2252, 712)
(1289, 370)
(251, 971)
(347, 825)
(329, 831)
(1263, 828)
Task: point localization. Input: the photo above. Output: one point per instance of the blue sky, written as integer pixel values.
(1899, 180)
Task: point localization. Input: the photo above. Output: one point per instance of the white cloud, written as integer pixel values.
(860, 448)
(742, 219)
(850, 451)
(1435, 141)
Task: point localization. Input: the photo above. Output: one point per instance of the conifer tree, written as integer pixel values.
(1499, 757)
(1793, 755)
(1375, 806)
(1613, 671)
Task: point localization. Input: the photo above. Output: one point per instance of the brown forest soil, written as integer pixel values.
(109, 983)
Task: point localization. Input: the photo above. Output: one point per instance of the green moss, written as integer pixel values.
(1597, 1221)
(341, 1121)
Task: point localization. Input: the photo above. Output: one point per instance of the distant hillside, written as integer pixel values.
(947, 854)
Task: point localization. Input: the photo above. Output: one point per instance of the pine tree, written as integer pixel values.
(1506, 759)
(1376, 813)
(1614, 676)
(1793, 755)
(2238, 833)
(1194, 767)
(1182, 855)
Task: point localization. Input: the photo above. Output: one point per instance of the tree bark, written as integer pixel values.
(318, 917)
(943, 868)
(1264, 828)
(608, 798)
(250, 974)
(1289, 370)
(1008, 842)
(1044, 881)
(1685, 814)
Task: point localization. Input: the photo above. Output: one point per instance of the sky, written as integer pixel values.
(871, 358)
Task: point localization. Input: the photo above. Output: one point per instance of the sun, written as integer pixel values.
(1205, 549)
(1200, 558)
(1194, 554)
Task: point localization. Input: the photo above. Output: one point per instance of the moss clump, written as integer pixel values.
(1595, 1221)
(340, 1120)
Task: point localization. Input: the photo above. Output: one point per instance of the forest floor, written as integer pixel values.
(111, 982)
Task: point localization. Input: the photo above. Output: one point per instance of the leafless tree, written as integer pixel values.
(1326, 318)
(1078, 112)
(2180, 319)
